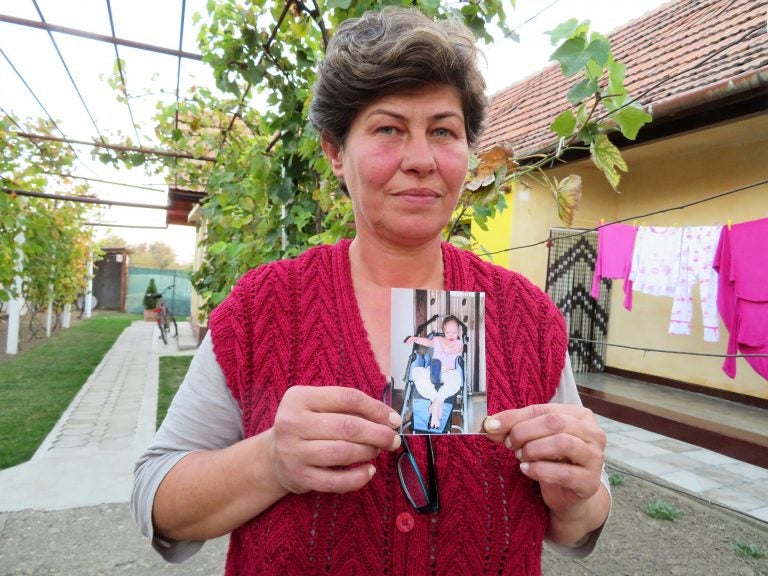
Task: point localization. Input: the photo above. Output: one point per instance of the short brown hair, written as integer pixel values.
(391, 51)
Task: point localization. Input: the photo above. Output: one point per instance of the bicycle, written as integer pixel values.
(166, 321)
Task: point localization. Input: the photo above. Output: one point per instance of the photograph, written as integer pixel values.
(438, 346)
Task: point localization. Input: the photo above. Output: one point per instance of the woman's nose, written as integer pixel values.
(418, 155)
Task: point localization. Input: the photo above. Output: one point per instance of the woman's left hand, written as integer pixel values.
(560, 445)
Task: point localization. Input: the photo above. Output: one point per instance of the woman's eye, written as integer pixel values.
(387, 130)
(443, 132)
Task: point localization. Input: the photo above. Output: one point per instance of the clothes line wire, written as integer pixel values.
(637, 217)
(663, 351)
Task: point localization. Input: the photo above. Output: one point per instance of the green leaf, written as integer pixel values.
(564, 124)
(599, 49)
(572, 56)
(608, 159)
(630, 119)
(253, 74)
(566, 30)
(617, 71)
(582, 90)
(338, 4)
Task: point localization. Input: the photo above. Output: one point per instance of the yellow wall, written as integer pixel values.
(663, 174)
(492, 243)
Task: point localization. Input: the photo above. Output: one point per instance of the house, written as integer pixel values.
(701, 69)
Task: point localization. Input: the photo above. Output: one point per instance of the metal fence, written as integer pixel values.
(178, 298)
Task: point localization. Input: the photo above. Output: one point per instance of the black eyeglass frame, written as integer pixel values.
(406, 458)
(429, 489)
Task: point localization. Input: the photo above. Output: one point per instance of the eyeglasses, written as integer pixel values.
(423, 496)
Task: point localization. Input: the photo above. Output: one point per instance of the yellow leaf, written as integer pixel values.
(568, 195)
(489, 161)
(608, 158)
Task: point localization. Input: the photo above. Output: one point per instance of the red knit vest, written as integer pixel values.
(297, 322)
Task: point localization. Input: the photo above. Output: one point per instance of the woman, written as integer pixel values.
(278, 434)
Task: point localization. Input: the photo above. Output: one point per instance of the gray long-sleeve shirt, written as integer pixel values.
(205, 416)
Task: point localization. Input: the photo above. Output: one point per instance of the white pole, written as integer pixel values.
(66, 315)
(14, 304)
(89, 290)
(49, 315)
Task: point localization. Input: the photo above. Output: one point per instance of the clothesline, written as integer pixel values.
(633, 218)
(663, 351)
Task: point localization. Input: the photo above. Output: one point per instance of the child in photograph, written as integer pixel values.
(441, 379)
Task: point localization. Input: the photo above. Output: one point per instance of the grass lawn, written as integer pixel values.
(38, 385)
(172, 372)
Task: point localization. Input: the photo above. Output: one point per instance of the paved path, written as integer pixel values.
(88, 457)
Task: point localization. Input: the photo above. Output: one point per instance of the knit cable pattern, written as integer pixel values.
(297, 322)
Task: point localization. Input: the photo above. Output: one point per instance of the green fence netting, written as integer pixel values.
(178, 298)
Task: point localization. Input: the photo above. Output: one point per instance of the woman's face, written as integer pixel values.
(404, 162)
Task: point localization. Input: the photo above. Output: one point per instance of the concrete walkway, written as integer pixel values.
(88, 457)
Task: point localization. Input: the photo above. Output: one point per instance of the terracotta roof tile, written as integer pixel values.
(681, 46)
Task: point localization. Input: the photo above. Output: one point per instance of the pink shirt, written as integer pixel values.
(742, 300)
(615, 244)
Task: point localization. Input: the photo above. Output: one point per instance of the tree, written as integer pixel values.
(57, 243)
(150, 302)
(153, 255)
(113, 241)
(270, 191)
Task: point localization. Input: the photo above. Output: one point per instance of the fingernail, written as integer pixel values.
(508, 442)
(371, 471)
(524, 466)
(396, 442)
(519, 454)
(492, 424)
(394, 419)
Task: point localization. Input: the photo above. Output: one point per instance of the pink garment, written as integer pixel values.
(656, 260)
(696, 257)
(742, 263)
(615, 244)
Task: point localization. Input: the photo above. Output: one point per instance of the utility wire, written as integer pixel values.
(661, 351)
(43, 108)
(638, 217)
(123, 83)
(66, 69)
(178, 83)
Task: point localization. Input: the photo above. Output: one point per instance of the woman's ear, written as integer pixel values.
(335, 156)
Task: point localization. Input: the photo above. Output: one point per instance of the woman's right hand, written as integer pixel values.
(321, 435)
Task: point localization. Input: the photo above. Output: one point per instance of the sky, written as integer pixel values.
(507, 62)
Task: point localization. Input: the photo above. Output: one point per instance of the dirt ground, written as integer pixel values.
(104, 540)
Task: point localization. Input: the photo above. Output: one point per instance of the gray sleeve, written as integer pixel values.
(567, 393)
(203, 416)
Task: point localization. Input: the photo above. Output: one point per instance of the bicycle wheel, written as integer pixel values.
(163, 330)
(172, 327)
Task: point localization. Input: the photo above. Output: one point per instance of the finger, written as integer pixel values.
(581, 481)
(561, 448)
(327, 453)
(502, 422)
(337, 481)
(295, 426)
(556, 425)
(344, 400)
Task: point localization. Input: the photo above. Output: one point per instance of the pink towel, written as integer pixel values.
(615, 243)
